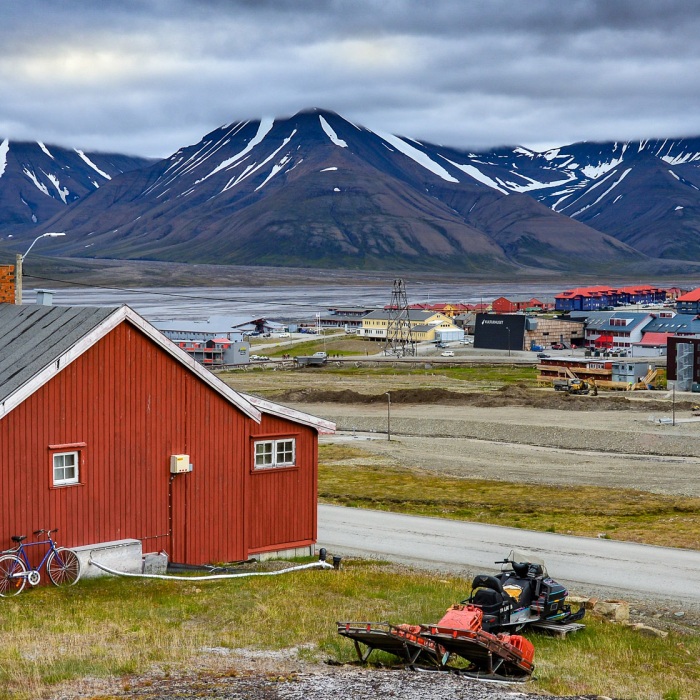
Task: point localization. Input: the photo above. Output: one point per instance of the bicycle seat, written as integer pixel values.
(18, 538)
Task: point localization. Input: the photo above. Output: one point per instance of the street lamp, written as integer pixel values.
(508, 329)
(20, 259)
(388, 416)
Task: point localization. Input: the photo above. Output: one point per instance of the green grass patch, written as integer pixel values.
(588, 511)
(122, 627)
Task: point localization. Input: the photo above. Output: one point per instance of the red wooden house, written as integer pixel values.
(110, 431)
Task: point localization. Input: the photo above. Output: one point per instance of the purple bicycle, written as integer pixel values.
(62, 564)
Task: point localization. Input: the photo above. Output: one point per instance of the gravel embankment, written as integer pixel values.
(587, 434)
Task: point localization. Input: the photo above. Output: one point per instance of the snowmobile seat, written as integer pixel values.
(487, 592)
(485, 581)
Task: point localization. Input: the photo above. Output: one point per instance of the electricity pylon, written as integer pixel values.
(399, 336)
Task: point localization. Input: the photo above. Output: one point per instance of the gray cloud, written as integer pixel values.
(148, 77)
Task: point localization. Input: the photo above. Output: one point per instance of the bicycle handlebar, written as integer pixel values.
(48, 532)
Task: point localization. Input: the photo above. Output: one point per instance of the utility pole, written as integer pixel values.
(18, 265)
(388, 415)
(18, 279)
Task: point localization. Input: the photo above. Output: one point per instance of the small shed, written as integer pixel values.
(109, 431)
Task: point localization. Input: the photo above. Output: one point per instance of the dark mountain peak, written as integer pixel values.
(39, 180)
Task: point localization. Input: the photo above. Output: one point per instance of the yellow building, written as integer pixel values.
(423, 324)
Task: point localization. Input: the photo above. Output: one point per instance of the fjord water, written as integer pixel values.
(284, 303)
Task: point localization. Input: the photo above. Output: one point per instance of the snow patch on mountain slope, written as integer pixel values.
(263, 130)
(63, 192)
(39, 185)
(536, 184)
(595, 171)
(477, 175)
(92, 165)
(416, 155)
(331, 134)
(680, 159)
(46, 150)
(254, 167)
(612, 187)
(4, 148)
(275, 169)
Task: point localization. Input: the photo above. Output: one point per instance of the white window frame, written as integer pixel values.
(66, 481)
(272, 454)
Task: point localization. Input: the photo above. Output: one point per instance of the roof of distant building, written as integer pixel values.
(654, 339)
(693, 295)
(606, 323)
(680, 323)
(413, 314)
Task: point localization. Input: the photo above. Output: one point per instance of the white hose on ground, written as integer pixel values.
(212, 577)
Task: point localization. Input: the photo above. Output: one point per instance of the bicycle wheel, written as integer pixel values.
(12, 581)
(63, 566)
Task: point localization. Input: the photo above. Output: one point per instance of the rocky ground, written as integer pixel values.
(247, 675)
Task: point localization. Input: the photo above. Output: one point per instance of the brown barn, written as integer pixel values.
(101, 417)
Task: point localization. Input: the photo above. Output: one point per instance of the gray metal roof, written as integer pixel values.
(680, 323)
(413, 314)
(33, 336)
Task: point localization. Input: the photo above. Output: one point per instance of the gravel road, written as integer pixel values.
(603, 448)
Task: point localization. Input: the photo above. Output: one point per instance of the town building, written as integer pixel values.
(615, 331)
(521, 332)
(683, 363)
(515, 304)
(689, 303)
(602, 297)
(109, 431)
(375, 325)
(348, 317)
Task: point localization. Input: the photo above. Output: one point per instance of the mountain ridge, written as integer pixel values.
(317, 190)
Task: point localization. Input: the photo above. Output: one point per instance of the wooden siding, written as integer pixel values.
(133, 406)
(282, 502)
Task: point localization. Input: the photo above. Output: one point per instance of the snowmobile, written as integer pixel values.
(521, 594)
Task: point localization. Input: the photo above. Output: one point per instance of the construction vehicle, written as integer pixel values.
(574, 386)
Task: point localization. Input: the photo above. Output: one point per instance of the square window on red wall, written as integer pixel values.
(66, 464)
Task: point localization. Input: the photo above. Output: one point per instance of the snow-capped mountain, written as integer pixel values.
(38, 181)
(644, 193)
(318, 190)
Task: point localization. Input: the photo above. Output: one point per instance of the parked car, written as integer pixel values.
(542, 355)
(447, 353)
(259, 358)
(283, 335)
(557, 346)
(319, 354)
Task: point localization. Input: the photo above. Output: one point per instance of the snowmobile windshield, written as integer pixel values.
(521, 557)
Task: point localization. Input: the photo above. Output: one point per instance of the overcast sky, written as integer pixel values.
(146, 77)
